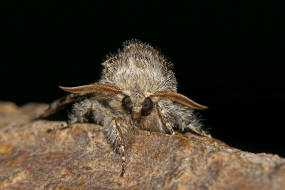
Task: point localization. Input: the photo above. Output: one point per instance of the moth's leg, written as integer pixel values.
(115, 133)
(180, 117)
(80, 111)
(196, 127)
(188, 120)
(164, 119)
(78, 114)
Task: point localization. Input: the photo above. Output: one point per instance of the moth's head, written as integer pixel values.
(137, 105)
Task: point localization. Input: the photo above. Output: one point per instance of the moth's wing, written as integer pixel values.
(59, 105)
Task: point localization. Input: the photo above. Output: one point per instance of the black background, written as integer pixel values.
(227, 55)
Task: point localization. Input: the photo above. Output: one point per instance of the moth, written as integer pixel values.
(137, 90)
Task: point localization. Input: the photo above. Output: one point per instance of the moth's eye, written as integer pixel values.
(147, 106)
(127, 103)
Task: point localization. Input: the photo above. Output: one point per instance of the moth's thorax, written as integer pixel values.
(139, 68)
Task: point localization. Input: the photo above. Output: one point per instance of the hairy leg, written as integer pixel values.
(180, 116)
(164, 119)
(116, 131)
(196, 127)
(79, 112)
(77, 115)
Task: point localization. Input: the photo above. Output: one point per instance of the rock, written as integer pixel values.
(43, 155)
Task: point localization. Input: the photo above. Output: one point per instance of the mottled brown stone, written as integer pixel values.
(34, 156)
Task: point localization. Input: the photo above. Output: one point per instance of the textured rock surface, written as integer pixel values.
(34, 157)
